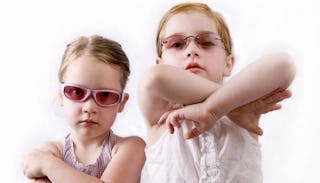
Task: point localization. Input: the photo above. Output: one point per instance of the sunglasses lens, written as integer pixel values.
(74, 93)
(179, 42)
(175, 42)
(107, 97)
(207, 40)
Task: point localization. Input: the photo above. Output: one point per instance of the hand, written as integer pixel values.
(33, 164)
(196, 113)
(41, 180)
(248, 116)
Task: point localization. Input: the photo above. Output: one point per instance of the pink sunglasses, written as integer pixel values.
(104, 98)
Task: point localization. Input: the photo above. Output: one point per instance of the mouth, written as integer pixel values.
(194, 67)
(88, 122)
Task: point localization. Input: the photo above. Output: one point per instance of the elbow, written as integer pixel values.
(152, 81)
(286, 68)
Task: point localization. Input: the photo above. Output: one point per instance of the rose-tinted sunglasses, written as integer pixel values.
(180, 42)
(104, 98)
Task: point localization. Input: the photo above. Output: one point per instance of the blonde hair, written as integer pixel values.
(103, 49)
(223, 30)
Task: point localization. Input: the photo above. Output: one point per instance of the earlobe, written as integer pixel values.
(229, 65)
(60, 99)
(123, 102)
(158, 60)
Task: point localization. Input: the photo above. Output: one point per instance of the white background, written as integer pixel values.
(33, 36)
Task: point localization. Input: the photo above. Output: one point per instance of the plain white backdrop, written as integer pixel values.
(34, 33)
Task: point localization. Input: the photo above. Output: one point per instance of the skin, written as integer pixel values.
(89, 124)
(204, 69)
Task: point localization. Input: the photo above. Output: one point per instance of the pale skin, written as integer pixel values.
(45, 164)
(193, 77)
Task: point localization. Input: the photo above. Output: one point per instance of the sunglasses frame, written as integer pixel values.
(93, 93)
(195, 38)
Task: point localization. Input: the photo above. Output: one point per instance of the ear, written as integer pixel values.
(158, 60)
(229, 65)
(60, 99)
(123, 102)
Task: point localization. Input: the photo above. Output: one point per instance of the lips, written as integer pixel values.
(88, 122)
(193, 67)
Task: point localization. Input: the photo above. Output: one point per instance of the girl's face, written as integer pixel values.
(88, 118)
(207, 59)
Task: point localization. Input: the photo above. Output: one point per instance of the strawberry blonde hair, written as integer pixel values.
(223, 30)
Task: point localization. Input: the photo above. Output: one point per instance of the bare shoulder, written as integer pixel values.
(55, 147)
(128, 158)
(131, 143)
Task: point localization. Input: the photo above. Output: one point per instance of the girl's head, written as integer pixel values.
(93, 73)
(193, 37)
(222, 28)
(103, 49)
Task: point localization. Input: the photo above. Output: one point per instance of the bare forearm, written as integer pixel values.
(60, 172)
(258, 79)
(180, 86)
(163, 85)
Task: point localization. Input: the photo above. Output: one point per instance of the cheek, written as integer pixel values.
(109, 114)
(71, 110)
(216, 71)
(215, 76)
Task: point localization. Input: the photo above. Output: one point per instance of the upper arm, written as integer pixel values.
(127, 161)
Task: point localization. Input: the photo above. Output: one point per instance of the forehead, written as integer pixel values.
(189, 23)
(93, 73)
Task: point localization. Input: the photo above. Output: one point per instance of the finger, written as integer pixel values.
(170, 127)
(287, 93)
(272, 93)
(279, 96)
(176, 121)
(270, 108)
(283, 95)
(192, 133)
(273, 98)
(163, 118)
(255, 129)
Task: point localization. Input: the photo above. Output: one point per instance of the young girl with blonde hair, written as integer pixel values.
(93, 75)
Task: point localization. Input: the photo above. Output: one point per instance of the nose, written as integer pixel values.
(192, 49)
(89, 106)
(193, 54)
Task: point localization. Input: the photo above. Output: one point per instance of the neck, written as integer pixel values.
(85, 141)
(87, 149)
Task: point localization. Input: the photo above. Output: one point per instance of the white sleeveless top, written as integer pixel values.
(225, 154)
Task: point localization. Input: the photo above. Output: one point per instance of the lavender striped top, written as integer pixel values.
(99, 166)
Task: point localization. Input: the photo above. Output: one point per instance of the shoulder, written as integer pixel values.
(54, 147)
(129, 149)
(131, 143)
(126, 149)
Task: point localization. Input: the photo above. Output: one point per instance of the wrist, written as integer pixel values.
(214, 111)
(217, 110)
